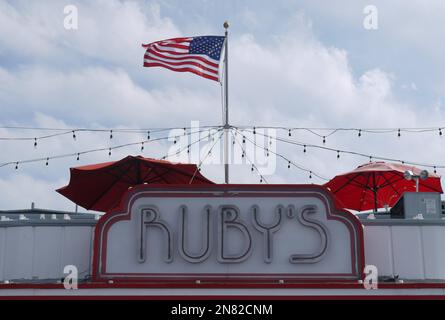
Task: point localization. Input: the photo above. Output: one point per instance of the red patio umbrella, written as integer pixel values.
(101, 186)
(376, 184)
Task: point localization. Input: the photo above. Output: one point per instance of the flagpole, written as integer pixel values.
(226, 107)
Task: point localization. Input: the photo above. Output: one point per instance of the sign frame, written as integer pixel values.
(123, 212)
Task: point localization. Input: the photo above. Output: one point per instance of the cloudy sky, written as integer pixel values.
(292, 64)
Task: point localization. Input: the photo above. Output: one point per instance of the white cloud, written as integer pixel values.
(292, 80)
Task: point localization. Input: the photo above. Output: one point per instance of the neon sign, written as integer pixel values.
(228, 233)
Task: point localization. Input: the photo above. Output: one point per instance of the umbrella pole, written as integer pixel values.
(375, 199)
(375, 192)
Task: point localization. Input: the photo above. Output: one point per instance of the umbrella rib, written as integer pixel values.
(117, 179)
(364, 192)
(103, 193)
(153, 169)
(186, 174)
(350, 180)
(390, 183)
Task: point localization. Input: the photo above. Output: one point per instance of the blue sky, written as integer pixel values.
(292, 63)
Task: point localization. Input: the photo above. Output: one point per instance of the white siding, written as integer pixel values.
(410, 251)
(41, 252)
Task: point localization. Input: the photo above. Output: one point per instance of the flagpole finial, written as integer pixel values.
(226, 25)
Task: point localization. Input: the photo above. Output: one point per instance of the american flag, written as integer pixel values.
(199, 55)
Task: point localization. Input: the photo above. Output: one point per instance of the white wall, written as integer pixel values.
(412, 251)
(41, 252)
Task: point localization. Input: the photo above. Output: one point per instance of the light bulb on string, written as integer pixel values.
(185, 131)
(324, 139)
(338, 154)
(111, 134)
(148, 135)
(109, 151)
(78, 157)
(435, 171)
(47, 162)
(74, 135)
(188, 149)
(304, 149)
(290, 134)
(261, 180)
(251, 168)
(35, 142)
(398, 133)
(440, 132)
(16, 166)
(244, 139)
(359, 133)
(174, 142)
(288, 165)
(254, 130)
(142, 146)
(310, 174)
(370, 159)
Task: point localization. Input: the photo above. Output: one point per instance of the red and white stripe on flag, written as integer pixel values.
(175, 54)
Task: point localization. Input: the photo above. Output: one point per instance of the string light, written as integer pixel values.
(435, 171)
(315, 131)
(111, 134)
(16, 166)
(338, 154)
(354, 153)
(35, 142)
(310, 174)
(440, 132)
(324, 139)
(288, 165)
(74, 135)
(148, 135)
(304, 149)
(251, 168)
(109, 151)
(244, 139)
(284, 158)
(78, 157)
(254, 130)
(142, 146)
(47, 162)
(290, 134)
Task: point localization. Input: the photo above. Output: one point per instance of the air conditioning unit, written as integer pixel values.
(412, 205)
